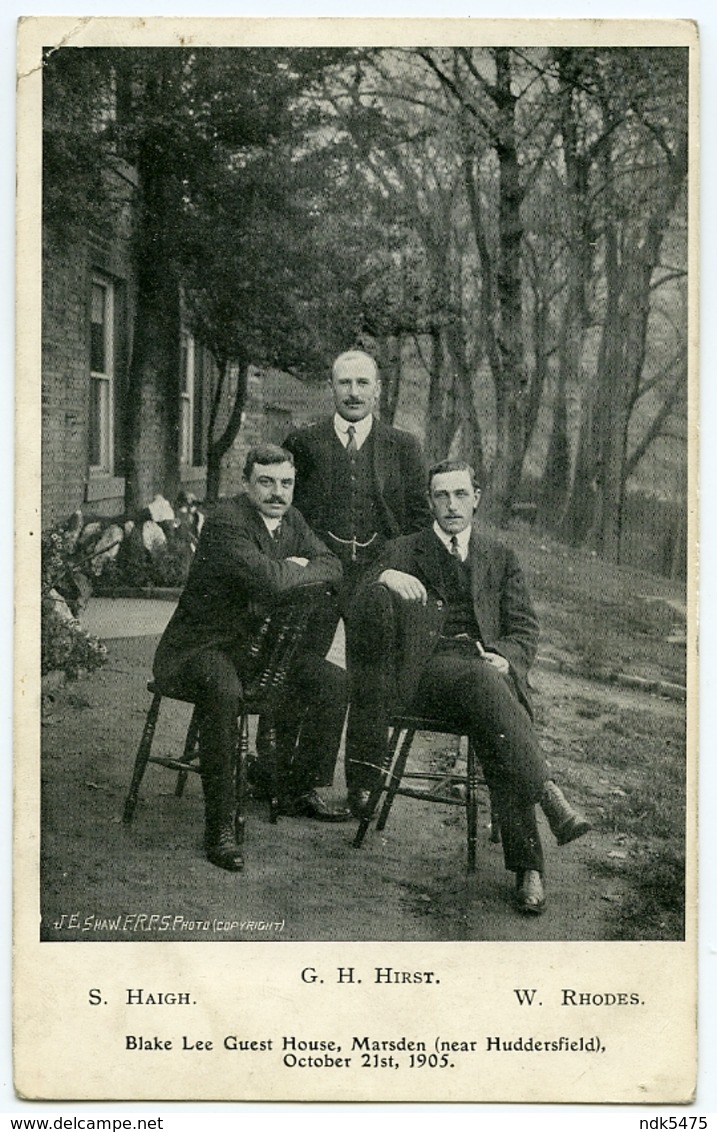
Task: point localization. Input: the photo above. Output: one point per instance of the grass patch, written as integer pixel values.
(656, 907)
(652, 809)
(641, 754)
(648, 747)
(599, 617)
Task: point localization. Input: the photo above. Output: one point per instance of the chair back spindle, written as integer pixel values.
(263, 675)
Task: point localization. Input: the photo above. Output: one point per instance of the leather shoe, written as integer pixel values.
(565, 823)
(312, 805)
(358, 800)
(226, 854)
(530, 894)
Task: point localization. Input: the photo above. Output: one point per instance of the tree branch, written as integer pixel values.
(453, 88)
(653, 431)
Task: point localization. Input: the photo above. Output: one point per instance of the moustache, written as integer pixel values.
(276, 499)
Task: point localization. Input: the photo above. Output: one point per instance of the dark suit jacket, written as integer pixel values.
(503, 610)
(238, 572)
(398, 470)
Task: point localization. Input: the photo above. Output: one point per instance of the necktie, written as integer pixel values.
(276, 532)
(351, 443)
(455, 551)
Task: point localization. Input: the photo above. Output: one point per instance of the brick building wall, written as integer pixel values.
(64, 383)
(276, 402)
(68, 481)
(69, 270)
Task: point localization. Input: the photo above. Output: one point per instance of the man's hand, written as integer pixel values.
(497, 661)
(298, 561)
(405, 585)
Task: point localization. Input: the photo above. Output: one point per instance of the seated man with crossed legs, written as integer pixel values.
(473, 675)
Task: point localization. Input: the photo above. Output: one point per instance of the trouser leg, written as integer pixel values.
(371, 663)
(522, 848)
(467, 692)
(372, 691)
(211, 680)
(304, 688)
(322, 625)
(310, 720)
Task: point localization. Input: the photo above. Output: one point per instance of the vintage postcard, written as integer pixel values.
(356, 403)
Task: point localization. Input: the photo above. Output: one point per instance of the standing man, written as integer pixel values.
(253, 550)
(359, 483)
(465, 661)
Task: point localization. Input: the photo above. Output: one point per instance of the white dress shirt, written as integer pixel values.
(463, 538)
(271, 525)
(361, 429)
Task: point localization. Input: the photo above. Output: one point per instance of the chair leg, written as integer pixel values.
(271, 756)
(241, 779)
(142, 758)
(189, 754)
(472, 805)
(377, 790)
(396, 774)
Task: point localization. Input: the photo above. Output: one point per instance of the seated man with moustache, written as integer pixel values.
(253, 550)
(470, 670)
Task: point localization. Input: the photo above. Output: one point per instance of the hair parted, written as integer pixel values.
(452, 466)
(266, 454)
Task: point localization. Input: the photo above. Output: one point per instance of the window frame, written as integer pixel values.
(103, 380)
(187, 385)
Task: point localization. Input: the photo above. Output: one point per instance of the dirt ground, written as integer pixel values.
(302, 880)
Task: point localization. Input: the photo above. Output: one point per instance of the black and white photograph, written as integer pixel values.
(366, 543)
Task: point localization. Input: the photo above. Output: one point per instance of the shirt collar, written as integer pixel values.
(463, 539)
(362, 427)
(270, 524)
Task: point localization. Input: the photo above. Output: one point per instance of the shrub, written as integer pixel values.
(64, 644)
(136, 568)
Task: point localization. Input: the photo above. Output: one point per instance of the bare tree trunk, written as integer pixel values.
(579, 255)
(452, 409)
(441, 416)
(156, 339)
(556, 474)
(501, 292)
(467, 440)
(609, 422)
(217, 448)
(390, 376)
(628, 282)
(465, 424)
(633, 239)
(510, 453)
(578, 517)
(511, 380)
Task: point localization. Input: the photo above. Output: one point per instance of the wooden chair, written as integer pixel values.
(263, 678)
(446, 789)
(390, 635)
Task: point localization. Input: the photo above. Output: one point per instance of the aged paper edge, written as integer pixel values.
(41, 1069)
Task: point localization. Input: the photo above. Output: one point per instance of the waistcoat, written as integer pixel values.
(355, 511)
(456, 579)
